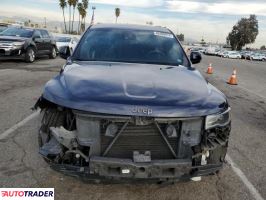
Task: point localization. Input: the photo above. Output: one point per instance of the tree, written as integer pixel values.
(117, 13)
(202, 42)
(70, 2)
(243, 33)
(74, 4)
(83, 16)
(85, 6)
(263, 47)
(181, 37)
(63, 5)
(80, 9)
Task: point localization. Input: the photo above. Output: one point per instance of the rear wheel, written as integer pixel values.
(30, 55)
(52, 55)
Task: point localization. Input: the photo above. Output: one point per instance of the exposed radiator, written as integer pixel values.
(139, 138)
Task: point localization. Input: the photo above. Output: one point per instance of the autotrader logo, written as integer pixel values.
(27, 193)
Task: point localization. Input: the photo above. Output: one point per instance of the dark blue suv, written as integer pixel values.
(129, 105)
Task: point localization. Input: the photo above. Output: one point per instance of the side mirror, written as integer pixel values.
(64, 52)
(195, 57)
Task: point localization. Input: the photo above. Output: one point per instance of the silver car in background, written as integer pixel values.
(67, 40)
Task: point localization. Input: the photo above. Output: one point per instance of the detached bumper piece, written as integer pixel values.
(104, 169)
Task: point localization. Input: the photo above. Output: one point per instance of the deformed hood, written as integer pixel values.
(116, 88)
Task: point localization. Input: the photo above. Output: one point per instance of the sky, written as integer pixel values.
(210, 19)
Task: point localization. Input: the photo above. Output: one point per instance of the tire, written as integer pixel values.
(52, 55)
(30, 55)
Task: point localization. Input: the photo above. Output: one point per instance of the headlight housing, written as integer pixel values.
(220, 119)
(18, 44)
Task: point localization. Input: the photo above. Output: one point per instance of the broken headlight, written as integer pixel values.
(218, 119)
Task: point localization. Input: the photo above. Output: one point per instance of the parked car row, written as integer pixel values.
(29, 43)
(253, 55)
(248, 55)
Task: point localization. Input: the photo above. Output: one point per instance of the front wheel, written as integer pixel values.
(30, 55)
(52, 55)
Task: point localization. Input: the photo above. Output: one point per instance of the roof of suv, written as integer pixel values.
(132, 27)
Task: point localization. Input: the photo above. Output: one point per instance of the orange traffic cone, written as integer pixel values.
(233, 80)
(209, 70)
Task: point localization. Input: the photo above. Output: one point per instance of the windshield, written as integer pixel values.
(132, 46)
(2, 28)
(19, 32)
(62, 39)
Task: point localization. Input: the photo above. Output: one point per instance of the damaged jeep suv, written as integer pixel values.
(128, 104)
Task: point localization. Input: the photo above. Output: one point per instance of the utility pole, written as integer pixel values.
(92, 17)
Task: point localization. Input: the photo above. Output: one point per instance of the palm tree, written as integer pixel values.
(63, 4)
(74, 4)
(69, 23)
(80, 9)
(83, 16)
(117, 13)
(85, 6)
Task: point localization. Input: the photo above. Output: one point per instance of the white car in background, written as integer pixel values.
(73, 43)
(224, 54)
(232, 54)
(221, 53)
(211, 51)
(70, 41)
(258, 56)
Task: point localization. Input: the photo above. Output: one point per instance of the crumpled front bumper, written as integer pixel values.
(125, 170)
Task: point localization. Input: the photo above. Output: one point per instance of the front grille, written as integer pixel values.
(139, 138)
